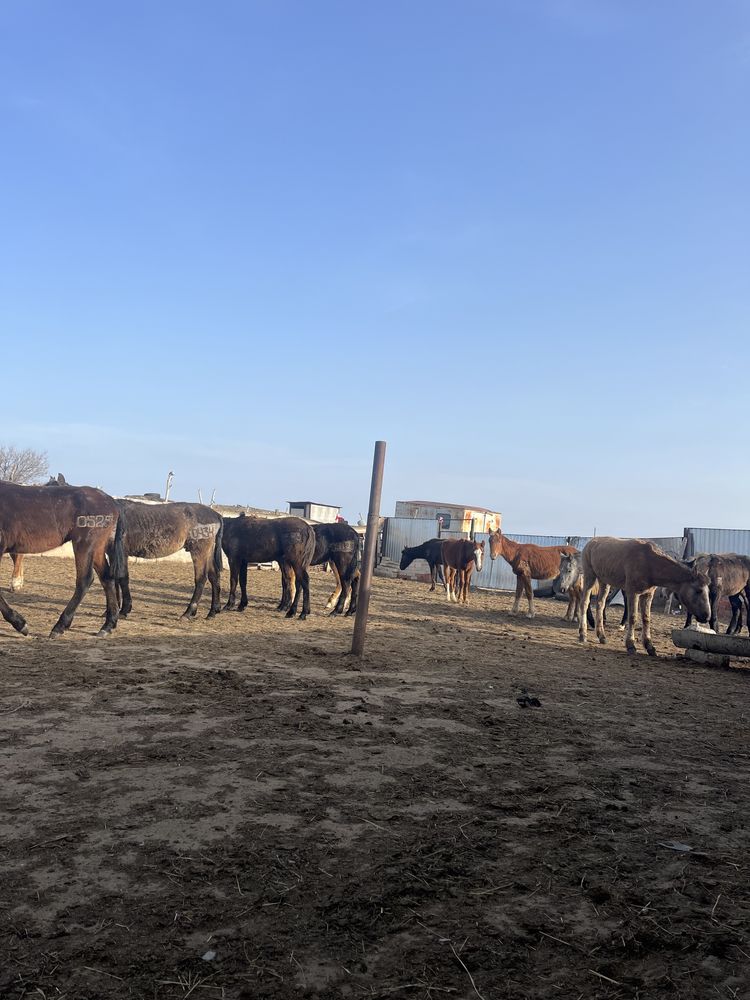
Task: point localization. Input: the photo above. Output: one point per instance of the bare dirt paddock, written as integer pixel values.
(234, 808)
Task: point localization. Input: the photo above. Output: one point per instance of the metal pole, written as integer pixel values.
(368, 561)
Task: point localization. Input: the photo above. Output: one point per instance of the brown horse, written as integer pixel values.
(338, 544)
(34, 519)
(459, 559)
(528, 562)
(289, 541)
(152, 531)
(637, 568)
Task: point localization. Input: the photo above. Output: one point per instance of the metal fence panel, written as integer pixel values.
(717, 540)
(399, 532)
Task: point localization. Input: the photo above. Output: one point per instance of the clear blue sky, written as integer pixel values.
(243, 240)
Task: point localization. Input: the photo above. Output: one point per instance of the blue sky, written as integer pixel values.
(243, 240)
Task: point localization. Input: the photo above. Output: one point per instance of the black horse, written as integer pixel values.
(289, 541)
(432, 553)
(338, 544)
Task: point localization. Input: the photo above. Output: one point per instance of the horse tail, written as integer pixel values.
(218, 559)
(118, 561)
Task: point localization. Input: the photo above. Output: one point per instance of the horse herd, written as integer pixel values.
(635, 566)
(104, 532)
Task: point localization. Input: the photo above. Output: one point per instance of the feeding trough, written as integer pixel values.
(710, 647)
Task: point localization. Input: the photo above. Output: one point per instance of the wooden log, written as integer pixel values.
(728, 645)
(712, 659)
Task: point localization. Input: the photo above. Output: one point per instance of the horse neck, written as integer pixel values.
(670, 570)
(508, 548)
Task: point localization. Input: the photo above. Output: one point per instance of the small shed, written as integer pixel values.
(454, 518)
(325, 513)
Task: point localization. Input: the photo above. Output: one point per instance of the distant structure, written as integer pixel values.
(311, 511)
(450, 518)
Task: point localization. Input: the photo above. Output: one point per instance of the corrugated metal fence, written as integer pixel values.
(717, 540)
(399, 532)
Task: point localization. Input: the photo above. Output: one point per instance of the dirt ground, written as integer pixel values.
(235, 808)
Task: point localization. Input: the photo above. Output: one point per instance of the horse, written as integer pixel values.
(638, 567)
(728, 576)
(34, 519)
(289, 541)
(459, 559)
(152, 531)
(432, 553)
(338, 544)
(528, 562)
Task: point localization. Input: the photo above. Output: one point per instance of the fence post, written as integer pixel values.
(368, 560)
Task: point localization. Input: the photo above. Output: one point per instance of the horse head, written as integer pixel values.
(570, 570)
(693, 595)
(479, 555)
(496, 544)
(405, 560)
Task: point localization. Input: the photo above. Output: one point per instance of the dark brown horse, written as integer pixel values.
(338, 544)
(289, 541)
(152, 531)
(459, 559)
(35, 519)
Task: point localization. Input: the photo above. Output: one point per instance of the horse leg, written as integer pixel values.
(302, 587)
(355, 594)
(433, 575)
(122, 592)
(84, 560)
(583, 608)
(632, 605)
(601, 601)
(288, 587)
(242, 573)
(103, 571)
(232, 596)
(646, 600)
(519, 591)
(200, 569)
(334, 601)
(713, 597)
(529, 591)
(214, 580)
(624, 619)
(12, 617)
(571, 612)
(16, 580)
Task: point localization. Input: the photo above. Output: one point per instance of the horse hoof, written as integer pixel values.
(651, 650)
(630, 650)
(303, 616)
(56, 633)
(603, 640)
(103, 633)
(289, 614)
(530, 616)
(582, 639)
(24, 630)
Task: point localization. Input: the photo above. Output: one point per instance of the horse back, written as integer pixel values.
(36, 519)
